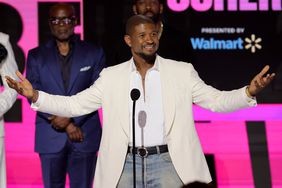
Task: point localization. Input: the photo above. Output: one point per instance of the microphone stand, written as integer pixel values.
(134, 94)
(133, 144)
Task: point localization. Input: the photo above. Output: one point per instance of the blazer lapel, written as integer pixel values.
(124, 99)
(167, 95)
(54, 66)
(75, 67)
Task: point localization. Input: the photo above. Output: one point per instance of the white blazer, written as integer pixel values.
(7, 68)
(181, 87)
(8, 96)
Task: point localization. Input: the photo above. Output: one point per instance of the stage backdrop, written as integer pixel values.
(231, 41)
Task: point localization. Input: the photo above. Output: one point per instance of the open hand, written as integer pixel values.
(23, 86)
(260, 81)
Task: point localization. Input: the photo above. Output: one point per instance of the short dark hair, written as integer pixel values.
(160, 1)
(62, 5)
(137, 20)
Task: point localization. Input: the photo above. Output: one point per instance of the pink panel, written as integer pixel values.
(274, 139)
(228, 142)
(178, 5)
(19, 137)
(260, 113)
(100, 111)
(23, 168)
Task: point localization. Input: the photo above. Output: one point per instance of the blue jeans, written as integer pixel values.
(158, 172)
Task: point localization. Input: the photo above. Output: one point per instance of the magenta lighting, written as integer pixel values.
(219, 5)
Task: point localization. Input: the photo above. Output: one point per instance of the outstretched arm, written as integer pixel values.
(82, 103)
(259, 82)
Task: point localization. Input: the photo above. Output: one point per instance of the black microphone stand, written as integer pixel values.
(134, 94)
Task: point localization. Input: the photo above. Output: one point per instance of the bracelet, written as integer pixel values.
(248, 93)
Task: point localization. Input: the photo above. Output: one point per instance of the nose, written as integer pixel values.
(148, 6)
(61, 23)
(149, 39)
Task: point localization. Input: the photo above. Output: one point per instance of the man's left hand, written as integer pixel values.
(59, 123)
(260, 81)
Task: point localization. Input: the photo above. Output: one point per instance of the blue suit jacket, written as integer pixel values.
(44, 73)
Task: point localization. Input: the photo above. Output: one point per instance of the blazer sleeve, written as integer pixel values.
(215, 100)
(8, 67)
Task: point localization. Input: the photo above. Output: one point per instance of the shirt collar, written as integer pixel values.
(155, 67)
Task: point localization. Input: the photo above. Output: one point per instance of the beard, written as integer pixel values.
(62, 38)
(155, 17)
(62, 35)
(149, 58)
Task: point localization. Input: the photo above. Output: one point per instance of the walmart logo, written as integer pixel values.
(251, 43)
(213, 44)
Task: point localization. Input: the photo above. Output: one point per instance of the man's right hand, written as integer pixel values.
(74, 133)
(23, 87)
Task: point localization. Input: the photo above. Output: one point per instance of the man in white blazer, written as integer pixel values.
(168, 90)
(8, 96)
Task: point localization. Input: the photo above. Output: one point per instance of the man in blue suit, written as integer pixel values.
(65, 66)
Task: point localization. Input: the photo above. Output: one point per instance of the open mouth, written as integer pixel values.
(149, 47)
(149, 14)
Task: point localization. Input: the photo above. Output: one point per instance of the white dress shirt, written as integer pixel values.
(150, 101)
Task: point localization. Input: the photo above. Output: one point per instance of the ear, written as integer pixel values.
(161, 8)
(75, 21)
(134, 9)
(50, 25)
(127, 40)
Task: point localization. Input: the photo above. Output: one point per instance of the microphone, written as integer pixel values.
(134, 94)
(3, 52)
(142, 118)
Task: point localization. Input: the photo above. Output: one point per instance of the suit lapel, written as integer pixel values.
(124, 99)
(54, 66)
(76, 64)
(167, 95)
